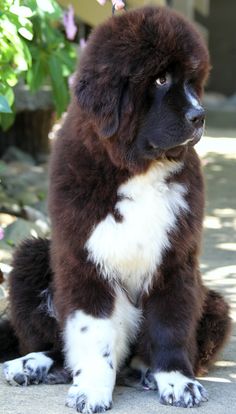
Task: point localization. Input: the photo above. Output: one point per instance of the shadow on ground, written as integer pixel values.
(219, 245)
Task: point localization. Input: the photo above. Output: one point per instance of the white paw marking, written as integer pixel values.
(89, 400)
(30, 369)
(178, 390)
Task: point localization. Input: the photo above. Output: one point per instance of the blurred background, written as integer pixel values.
(40, 43)
(41, 40)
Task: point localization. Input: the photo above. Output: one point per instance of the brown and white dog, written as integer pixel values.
(120, 279)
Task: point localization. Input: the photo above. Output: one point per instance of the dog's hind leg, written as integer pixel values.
(213, 331)
(33, 319)
(33, 316)
(35, 368)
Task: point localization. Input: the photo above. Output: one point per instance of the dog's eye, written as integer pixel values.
(164, 79)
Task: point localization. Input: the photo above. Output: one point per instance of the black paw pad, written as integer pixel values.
(20, 379)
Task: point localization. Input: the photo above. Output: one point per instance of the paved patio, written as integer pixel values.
(219, 270)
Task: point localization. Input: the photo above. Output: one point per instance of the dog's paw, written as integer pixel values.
(93, 400)
(31, 369)
(58, 376)
(178, 390)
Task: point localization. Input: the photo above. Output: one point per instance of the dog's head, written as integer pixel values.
(140, 82)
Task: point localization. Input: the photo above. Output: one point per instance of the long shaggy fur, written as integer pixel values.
(126, 187)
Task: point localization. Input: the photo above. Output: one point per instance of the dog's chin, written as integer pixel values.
(180, 149)
(196, 137)
(176, 151)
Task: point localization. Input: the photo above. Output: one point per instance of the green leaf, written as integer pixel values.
(25, 33)
(7, 120)
(33, 48)
(21, 62)
(8, 27)
(4, 106)
(13, 18)
(9, 95)
(10, 242)
(68, 57)
(36, 75)
(50, 6)
(21, 11)
(45, 5)
(10, 77)
(59, 86)
(27, 54)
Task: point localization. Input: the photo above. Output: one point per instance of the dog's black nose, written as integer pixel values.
(196, 117)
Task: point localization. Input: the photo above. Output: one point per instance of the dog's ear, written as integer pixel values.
(101, 98)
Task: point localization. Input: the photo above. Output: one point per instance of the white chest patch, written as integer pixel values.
(130, 251)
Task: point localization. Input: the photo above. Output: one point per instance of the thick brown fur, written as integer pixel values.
(100, 147)
(32, 279)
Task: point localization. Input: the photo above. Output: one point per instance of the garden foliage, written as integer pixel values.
(33, 47)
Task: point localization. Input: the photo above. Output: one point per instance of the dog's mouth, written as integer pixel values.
(176, 151)
(191, 141)
(194, 138)
(181, 148)
(154, 152)
(197, 135)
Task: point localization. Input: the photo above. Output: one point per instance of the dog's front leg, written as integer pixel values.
(89, 336)
(168, 339)
(89, 346)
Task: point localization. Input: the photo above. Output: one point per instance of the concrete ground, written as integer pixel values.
(219, 270)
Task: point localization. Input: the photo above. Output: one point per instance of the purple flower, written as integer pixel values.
(119, 4)
(69, 23)
(1, 233)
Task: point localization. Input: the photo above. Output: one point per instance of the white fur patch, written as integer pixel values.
(90, 353)
(126, 319)
(30, 369)
(179, 390)
(94, 349)
(131, 250)
(86, 339)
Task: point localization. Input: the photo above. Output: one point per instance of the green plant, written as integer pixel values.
(53, 57)
(15, 58)
(34, 48)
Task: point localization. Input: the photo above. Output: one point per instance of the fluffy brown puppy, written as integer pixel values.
(126, 203)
